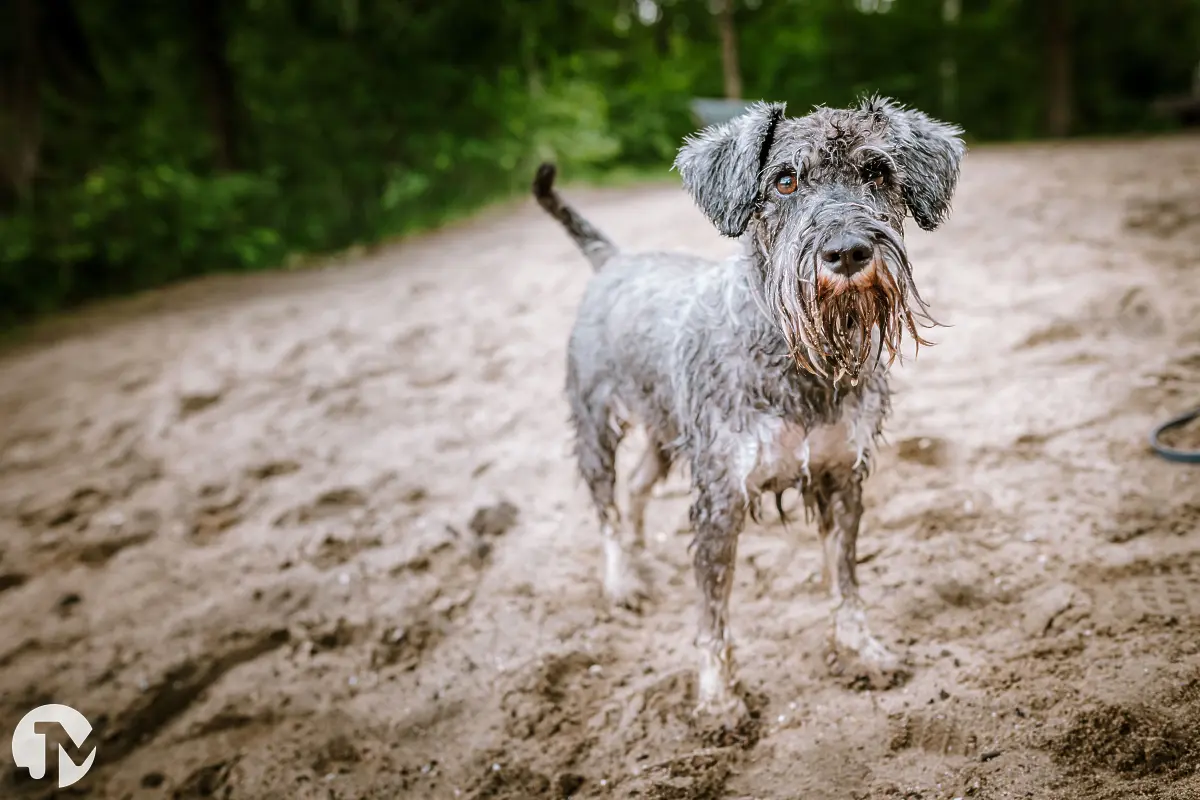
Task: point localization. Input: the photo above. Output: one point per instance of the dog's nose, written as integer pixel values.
(847, 255)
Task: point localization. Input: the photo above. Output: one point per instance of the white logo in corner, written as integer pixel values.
(29, 746)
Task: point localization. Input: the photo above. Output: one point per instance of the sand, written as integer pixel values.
(318, 534)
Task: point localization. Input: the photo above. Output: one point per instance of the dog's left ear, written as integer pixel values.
(929, 154)
(720, 165)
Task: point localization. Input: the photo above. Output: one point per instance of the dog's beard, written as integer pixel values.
(835, 326)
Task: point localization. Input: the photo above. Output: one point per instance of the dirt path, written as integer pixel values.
(239, 530)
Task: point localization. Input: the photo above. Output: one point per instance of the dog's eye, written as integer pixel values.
(875, 174)
(786, 183)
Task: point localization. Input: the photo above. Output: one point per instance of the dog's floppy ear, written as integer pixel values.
(928, 153)
(720, 165)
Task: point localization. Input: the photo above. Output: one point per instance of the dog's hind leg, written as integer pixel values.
(653, 467)
(598, 433)
(717, 517)
(854, 650)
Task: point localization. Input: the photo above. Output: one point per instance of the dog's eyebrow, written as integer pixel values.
(798, 160)
(870, 152)
(802, 160)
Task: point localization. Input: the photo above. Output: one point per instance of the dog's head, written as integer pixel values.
(822, 201)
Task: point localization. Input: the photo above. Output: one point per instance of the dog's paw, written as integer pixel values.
(729, 723)
(626, 577)
(719, 702)
(724, 709)
(856, 655)
(627, 588)
(874, 667)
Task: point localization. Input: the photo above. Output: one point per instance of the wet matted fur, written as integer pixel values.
(767, 370)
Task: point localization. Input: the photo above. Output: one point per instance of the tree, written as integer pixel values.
(20, 104)
(730, 67)
(43, 49)
(216, 78)
(951, 10)
(1059, 85)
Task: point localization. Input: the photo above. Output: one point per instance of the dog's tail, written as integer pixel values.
(595, 245)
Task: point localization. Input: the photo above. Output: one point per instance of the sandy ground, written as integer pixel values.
(317, 535)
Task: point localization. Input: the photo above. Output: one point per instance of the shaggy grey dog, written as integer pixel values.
(766, 371)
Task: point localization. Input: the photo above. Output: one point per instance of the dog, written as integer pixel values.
(765, 371)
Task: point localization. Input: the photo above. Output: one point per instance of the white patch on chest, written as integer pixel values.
(780, 450)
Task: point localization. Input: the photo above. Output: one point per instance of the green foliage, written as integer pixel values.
(351, 121)
(125, 229)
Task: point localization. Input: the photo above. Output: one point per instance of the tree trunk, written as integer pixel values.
(1059, 99)
(65, 53)
(216, 80)
(951, 10)
(20, 106)
(729, 53)
(661, 31)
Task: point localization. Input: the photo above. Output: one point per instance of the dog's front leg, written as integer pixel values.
(717, 518)
(854, 648)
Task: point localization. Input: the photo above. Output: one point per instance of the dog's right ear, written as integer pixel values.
(720, 165)
(929, 153)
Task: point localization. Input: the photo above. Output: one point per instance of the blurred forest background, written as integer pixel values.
(144, 142)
